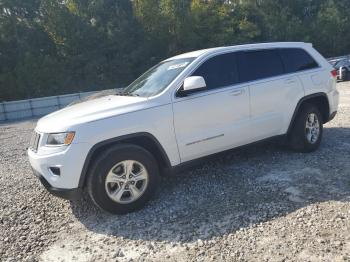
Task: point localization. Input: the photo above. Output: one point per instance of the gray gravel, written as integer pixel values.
(260, 203)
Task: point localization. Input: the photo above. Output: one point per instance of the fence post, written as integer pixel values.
(58, 102)
(31, 107)
(4, 110)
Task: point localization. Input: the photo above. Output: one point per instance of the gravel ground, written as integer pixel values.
(260, 203)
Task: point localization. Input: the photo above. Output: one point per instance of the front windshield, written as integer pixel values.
(157, 78)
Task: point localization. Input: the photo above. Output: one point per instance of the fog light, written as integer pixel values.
(55, 170)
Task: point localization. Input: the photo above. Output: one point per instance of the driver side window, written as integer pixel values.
(219, 71)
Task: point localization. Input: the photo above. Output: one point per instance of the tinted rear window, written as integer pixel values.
(219, 71)
(296, 59)
(254, 65)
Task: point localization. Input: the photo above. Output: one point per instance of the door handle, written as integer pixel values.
(237, 92)
(289, 81)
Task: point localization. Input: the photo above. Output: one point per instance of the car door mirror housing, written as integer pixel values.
(194, 83)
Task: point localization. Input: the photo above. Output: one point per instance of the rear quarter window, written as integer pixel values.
(297, 59)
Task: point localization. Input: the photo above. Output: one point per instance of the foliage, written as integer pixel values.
(50, 47)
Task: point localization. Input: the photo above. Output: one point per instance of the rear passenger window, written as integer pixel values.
(219, 71)
(254, 65)
(296, 59)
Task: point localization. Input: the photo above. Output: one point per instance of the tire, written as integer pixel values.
(302, 138)
(113, 165)
(346, 76)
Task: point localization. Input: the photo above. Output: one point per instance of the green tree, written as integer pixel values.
(52, 47)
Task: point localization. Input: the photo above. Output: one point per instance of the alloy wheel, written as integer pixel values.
(312, 128)
(126, 181)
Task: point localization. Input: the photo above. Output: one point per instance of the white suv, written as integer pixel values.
(184, 108)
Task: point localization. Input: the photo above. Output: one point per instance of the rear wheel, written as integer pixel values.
(123, 179)
(307, 130)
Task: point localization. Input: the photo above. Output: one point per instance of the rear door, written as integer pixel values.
(273, 92)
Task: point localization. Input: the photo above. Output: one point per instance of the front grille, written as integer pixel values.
(34, 141)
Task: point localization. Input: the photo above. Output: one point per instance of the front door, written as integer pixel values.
(214, 119)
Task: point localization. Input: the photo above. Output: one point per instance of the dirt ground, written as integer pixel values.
(259, 203)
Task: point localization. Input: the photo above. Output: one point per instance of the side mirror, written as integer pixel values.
(194, 82)
(191, 84)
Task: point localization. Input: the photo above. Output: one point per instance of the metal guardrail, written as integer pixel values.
(36, 107)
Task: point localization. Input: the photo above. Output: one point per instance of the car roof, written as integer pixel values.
(208, 51)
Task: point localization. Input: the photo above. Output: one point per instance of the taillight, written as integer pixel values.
(334, 73)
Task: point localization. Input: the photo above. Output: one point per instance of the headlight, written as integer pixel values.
(60, 139)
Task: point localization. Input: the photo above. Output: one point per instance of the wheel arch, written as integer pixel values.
(318, 99)
(143, 139)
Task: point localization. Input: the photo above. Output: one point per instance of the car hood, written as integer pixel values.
(100, 108)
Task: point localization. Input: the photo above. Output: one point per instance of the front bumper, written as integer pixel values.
(70, 194)
(69, 161)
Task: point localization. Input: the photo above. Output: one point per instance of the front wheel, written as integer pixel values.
(123, 179)
(307, 130)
